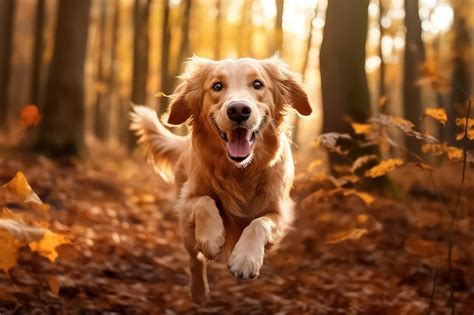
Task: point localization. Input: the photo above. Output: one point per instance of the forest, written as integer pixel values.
(384, 182)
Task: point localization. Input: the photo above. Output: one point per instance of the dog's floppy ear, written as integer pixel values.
(288, 85)
(187, 97)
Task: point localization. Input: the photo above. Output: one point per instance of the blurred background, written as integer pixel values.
(70, 68)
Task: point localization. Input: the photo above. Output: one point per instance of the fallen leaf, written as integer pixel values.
(384, 167)
(47, 245)
(20, 187)
(438, 114)
(21, 231)
(353, 234)
(10, 246)
(53, 284)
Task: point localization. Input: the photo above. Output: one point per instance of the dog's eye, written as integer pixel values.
(217, 86)
(257, 84)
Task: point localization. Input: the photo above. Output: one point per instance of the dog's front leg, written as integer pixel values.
(209, 227)
(247, 256)
(203, 231)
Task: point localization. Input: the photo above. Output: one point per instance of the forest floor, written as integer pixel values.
(129, 258)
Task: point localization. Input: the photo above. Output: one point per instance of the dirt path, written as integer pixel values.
(130, 259)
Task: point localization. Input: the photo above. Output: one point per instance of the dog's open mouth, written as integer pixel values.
(240, 141)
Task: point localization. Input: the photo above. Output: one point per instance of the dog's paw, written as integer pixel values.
(245, 265)
(210, 242)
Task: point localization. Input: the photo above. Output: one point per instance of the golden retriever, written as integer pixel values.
(234, 170)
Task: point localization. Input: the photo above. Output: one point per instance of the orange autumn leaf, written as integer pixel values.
(53, 284)
(470, 128)
(30, 116)
(47, 245)
(384, 167)
(10, 246)
(20, 187)
(353, 234)
(438, 114)
(361, 129)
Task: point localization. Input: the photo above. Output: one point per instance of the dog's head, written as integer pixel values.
(233, 101)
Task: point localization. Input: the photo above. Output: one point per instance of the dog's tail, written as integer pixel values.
(162, 147)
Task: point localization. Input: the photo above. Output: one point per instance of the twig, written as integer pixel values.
(433, 291)
(454, 217)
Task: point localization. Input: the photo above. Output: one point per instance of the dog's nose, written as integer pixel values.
(239, 112)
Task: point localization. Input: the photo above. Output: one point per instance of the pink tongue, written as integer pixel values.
(238, 144)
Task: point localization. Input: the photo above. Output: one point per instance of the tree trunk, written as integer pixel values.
(37, 53)
(6, 43)
(244, 44)
(414, 57)
(342, 59)
(460, 91)
(166, 85)
(140, 56)
(296, 127)
(279, 26)
(112, 106)
(217, 30)
(140, 52)
(382, 90)
(100, 114)
(344, 86)
(62, 129)
(184, 47)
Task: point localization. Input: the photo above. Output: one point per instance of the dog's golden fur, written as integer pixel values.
(231, 207)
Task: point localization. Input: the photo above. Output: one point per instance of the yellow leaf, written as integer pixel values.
(353, 234)
(20, 187)
(384, 167)
(47, 245)
(53, 284)
(470, 128)
(367, 198)
(453, 153)
(361, 129)
(438, 114)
